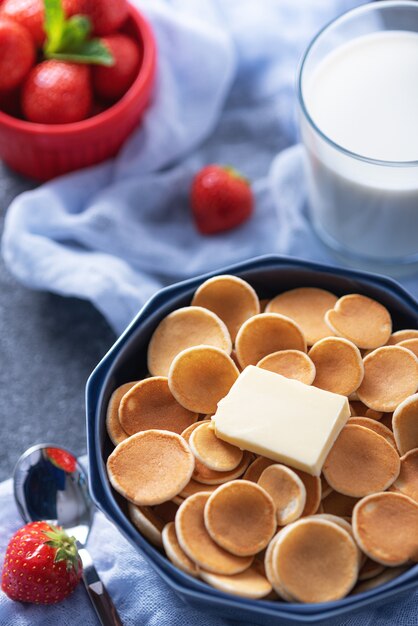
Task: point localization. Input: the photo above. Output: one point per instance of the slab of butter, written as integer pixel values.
(282, 419)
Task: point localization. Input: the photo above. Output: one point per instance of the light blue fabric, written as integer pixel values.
(116, 233)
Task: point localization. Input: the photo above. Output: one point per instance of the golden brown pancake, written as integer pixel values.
(248, 584)
(307, 306)
(390, 376)
(181, 329)
(113, 425)
(264, 334)
(174, 551)
(402, 335)
(410, 344)
(291, 364)
(193, 487)
(338, 364)
(200, 377)
(405, 424)
(151, 467)
(231, 298)
(361, 462)
(286, 490)
(316, 561)
(150, 404)
(360, 319)
(378, 428)
(370, 569)
(313, 491)
(407, 481)
(386, 528)
(386, 576)
(216, 454)
(270, 572)
(196, 542)
(149, 524)
(256, 468)
(240, 517)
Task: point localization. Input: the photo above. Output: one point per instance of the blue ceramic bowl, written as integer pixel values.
(126, 361)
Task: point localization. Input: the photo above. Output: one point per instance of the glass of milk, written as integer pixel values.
(358, 95)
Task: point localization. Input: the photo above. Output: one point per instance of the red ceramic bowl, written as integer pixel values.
(43, 151)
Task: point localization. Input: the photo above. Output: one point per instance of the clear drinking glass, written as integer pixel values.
(364, 208)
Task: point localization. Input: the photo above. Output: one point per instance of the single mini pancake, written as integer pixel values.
(405, 424)
(338, 364)
(410, 344)
(151, 467)
(359, 319)
(386, 528)
(286, 490)
(200, 377)
(307, 306)
(256, 468)
(291, 364)
(390, 376)
(316, 561)
(270, 572)
(361, 462)
(377, 427)
(113, 425)
(196, 542)
(240, 517)
(370, 569)
(407, 481)
(150, 404)
(149, 524)
(181, 329)
(216, 454)
(313, 491)
(174, 551)
(264, 334)
(402, 335)
(231, 298)
(248, 584)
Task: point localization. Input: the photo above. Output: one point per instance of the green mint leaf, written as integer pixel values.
(54, 24)
(93, 52)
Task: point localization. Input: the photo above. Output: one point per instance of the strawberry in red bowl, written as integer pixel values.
(81, 86)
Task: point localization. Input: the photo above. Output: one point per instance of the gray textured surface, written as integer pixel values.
(48, 347)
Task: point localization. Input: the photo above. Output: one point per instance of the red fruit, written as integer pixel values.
(111, 83)
(57, 93)
(107, 16)
(62, 459)
(41, 565)
(17, 54)
(221, 199)
(27, 13)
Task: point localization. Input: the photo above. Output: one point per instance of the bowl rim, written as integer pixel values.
(141, 85)
(101, 490)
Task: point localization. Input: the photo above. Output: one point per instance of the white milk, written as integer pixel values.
(364, 97)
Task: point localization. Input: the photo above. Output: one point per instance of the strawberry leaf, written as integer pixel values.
(93, 52)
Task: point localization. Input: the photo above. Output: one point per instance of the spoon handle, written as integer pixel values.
(100, 598)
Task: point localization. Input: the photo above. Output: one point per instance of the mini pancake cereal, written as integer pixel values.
(390, 376)
(196, 542)
(286, 490)
(326, 558)
(150, 467)
(405, 424)
(290, 363)
(231, 298)
(240, 517)
(378, 428)
(338, 364)
(213, 452)
(113, 425)
(361, 462)
(174, 551)
(359, 319)
(216, 374)
(150, 404)
(181, 329)
(407, 481)
(307, 306)
(248, 584)
(346, 411)
(266, 333)
(386, 528)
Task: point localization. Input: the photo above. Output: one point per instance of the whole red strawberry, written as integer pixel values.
(27, 13)
(107, 16)
(17, 54)
(111, 83)
(221, 199)
(41, 565)
(62, 459)
(57, 92)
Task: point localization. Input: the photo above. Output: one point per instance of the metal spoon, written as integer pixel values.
(56, 490)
